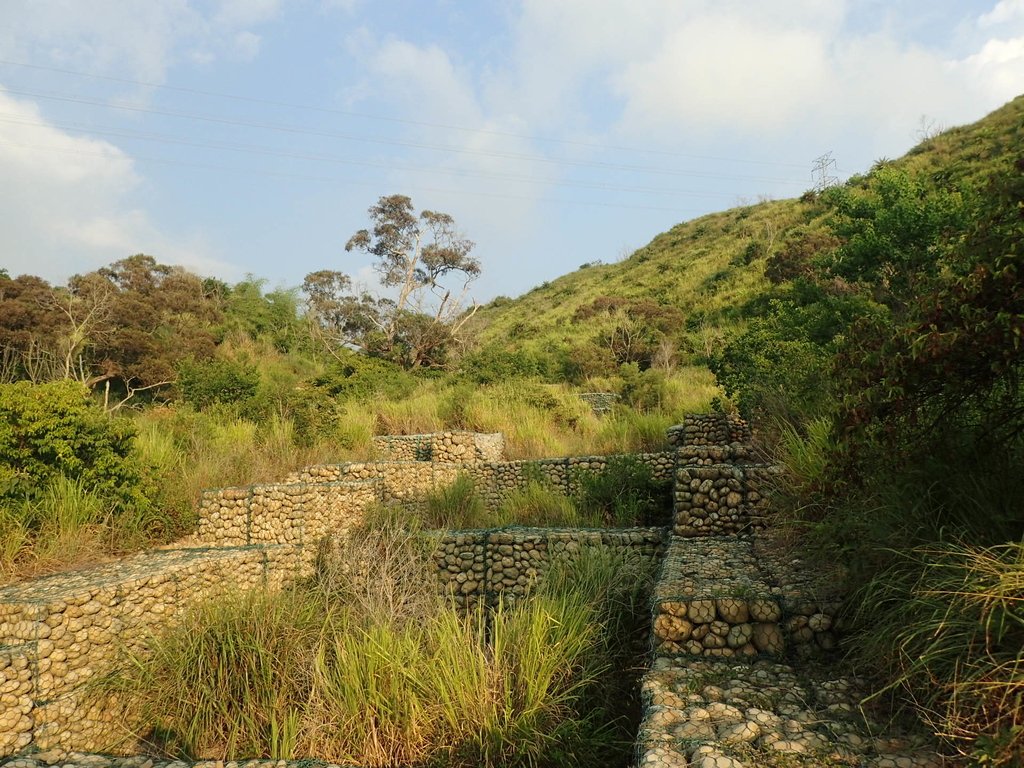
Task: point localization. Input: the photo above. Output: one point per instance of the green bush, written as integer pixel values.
(53, 430)
(623, 494)
(360, 377)
(204, 383)
(642, 390)
(495, 363)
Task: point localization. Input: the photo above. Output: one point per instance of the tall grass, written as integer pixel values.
(307, 673)
(946, 623)
(805, 452)
(191, 451)
(458, 505)
(64, 524)
(932, 546)
(537, 503)
(623, 495)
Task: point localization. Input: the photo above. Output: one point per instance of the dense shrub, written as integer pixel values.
(53, 430)
(624, 494)
(204, 383)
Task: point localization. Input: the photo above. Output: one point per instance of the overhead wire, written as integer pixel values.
(334, 179)
(398, 120)
(298, 130)
(106, 131)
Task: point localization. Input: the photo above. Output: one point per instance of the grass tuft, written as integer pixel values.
(946, 623)
(383, 674)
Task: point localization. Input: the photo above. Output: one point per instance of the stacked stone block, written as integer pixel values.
(442, 447)
(725, 589)
(58, 633)
(17, 665)
(600, 402)
(718, 499)
(710, 429)
(809, 598)
(299, 515)
(712, 600)
(487, 566)
(719, 489)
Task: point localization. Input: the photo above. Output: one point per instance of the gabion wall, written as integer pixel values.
(600, 402)
(721, 498)
(407, 482)
(59, 632)
(714, 429)
(443, 447)
(484, 566)
(295, 514)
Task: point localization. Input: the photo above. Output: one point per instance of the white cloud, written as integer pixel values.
(140, 40)
(100, 36)
(246, 46)
(998, 67)
(426, 80)
(1004, 12)
(66, 202)
(722, 71)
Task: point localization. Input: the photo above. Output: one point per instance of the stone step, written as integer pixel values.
(711, 599)
(727, 713)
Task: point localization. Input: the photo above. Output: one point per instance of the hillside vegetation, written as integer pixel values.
(680, 296)
(873, 331)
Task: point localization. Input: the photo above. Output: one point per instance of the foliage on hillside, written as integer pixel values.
(910, 323)
(672, 301)
(874, 330)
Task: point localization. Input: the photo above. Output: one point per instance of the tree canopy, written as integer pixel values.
(425, 267)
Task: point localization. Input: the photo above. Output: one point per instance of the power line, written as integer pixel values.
(398, 120)
(296, 130)
(352, 182)
(6, 117)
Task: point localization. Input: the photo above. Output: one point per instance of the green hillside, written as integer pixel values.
(708, 274)
(708, 268)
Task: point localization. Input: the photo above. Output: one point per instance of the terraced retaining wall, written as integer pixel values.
(297, 514)
(484, 566)
(408, 482)
(710, 429)
(58, 633)
(600, 402)
(719, 499)
(443, 447)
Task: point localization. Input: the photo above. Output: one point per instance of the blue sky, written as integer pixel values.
(250, 136)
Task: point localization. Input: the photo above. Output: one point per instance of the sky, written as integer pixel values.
(249, 137)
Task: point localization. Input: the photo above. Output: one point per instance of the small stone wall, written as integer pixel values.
(395, 482)
(295, 514)
(442, 447)
(712, 600)
(59, 632)
(600, 402)
(409, 482)
(721, 498)
(711, 429)
(484, 566)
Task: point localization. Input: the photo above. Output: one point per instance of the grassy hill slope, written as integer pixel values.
(711, 269)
